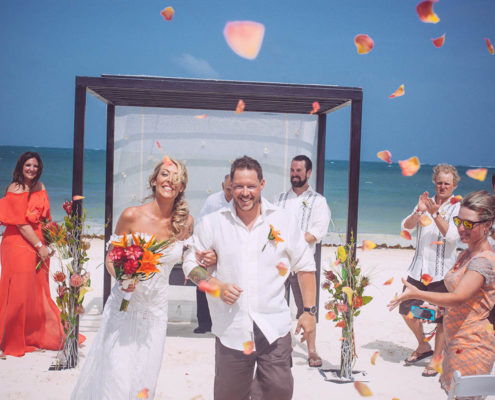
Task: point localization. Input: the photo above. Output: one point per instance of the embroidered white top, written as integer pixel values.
(434, 259)
(213, 203)
(241, 260)
(311, 210)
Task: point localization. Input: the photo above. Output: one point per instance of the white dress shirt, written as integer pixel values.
(432, 259)
(213, 203)
(311, 210)
(241, 261)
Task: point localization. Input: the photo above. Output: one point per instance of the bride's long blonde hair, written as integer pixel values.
(180, 210)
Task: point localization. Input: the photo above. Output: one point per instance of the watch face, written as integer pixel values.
(312, 310)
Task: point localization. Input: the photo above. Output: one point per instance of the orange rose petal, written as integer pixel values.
(439, 41)
(385, 155)
(436, 363)
(363, 389)
(316, 107)
(437, 242)
(202, 116)
(77, 197)
(388, 282)
(210, 289)
(410, 315)
(426, 279)
(363, 43)
(240, 106)
(374, 356)
(406, 235)
(368, 245)
(426, 13)
(424, 220)
(342, 338)
(399, 92)
(158, 145)
(248, 347)
(244, 37)
(458, 351)
(143, 394)
(330, 315)
(490, 46)
(166, 160)
(478, 173)
(282, 268)
(455, 199)
(167, 13)
(428, 338)
(410, 166)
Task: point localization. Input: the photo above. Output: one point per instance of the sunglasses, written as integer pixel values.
(467, 223)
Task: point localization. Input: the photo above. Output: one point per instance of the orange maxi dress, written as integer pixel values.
(469, 337)
(29, 319)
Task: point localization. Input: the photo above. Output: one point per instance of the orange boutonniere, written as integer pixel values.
(273, 236)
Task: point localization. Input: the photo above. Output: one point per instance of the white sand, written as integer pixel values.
(188, 365)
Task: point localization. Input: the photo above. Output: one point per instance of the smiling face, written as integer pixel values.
(444, 186)
(298, 174)
(471, 236)
(167, 183)
(246, 190)
(30, 169)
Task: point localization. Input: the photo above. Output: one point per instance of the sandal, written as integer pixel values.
(415, 357)
(314, 360)
(429, 371)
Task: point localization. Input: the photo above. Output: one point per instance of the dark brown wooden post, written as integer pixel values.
(107, 280)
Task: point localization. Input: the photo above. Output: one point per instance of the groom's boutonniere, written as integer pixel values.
(273, 235)
(304, 204)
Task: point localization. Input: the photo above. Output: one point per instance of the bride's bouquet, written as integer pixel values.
(136, 259)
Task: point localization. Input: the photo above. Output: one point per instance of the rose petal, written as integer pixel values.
(410, 315)
(428, 338)
(388, 282)
(490, 46)
(437, 242)
(248, 347)
(282, 268)
(316, 107)
(202, 116)
(240, 106)
(399, 92)
(244, 37)
(424, 220)
(406, 235)
(410, 166)
(426, 13)
(363, 389)
(439, 41)
(166, 160)
(455, 199)
(368, 245)
(158, 145)
(167, 13)
(478, 173)
(213, 290)
(374, 356)
(143, 394)
(363, 43)
(77, 197)
(385, 155)
(426, 279)
(436, 363)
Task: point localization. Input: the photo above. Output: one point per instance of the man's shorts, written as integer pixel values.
(438, 286)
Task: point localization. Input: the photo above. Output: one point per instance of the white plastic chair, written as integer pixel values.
(471, 385)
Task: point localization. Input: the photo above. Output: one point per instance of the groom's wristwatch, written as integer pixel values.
(311, 310)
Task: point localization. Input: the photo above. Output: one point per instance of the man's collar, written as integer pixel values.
(308, 190)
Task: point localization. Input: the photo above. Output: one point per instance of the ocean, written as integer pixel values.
(385, 196)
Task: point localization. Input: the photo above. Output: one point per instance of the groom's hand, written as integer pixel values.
(307, 322)
(230, 293)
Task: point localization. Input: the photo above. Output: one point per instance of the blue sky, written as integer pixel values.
(446, 115)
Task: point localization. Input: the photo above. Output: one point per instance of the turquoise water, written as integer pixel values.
(385, 196)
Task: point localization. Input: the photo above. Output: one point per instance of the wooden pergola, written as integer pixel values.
(140, 91)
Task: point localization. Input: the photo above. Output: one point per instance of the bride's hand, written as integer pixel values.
(206, 258)
(411, 292)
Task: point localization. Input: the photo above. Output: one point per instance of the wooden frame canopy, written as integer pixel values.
(144, 91)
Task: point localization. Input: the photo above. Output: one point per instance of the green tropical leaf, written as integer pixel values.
(366, 299)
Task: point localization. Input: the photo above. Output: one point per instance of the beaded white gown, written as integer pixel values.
(127, 352)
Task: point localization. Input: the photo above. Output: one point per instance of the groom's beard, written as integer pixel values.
(297, 182)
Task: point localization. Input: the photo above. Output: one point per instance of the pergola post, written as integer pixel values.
(107, 280)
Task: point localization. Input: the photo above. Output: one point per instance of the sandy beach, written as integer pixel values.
(188, 365)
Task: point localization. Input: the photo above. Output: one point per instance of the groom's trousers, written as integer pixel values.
(272, 379)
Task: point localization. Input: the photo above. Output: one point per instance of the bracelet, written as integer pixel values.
(39, 245)
(418, 212)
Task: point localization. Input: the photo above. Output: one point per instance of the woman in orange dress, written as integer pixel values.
(469, 337)
(29, 319)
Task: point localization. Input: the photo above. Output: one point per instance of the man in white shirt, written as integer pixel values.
(313, 217)
(213, 202)
(256, 245)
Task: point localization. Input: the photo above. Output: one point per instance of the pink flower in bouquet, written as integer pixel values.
(342, 307)
(79, 309)
(76, 280)
(61, 290)
(133, 252)
(130, 267)
(116, 254)
(59, 276)
(67, 206)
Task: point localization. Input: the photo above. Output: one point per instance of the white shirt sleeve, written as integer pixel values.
(320, 219)
(403, 228)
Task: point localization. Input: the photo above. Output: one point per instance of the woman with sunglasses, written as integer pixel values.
(469, 337)
(434, 256)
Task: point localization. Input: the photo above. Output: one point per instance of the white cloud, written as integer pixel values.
(196, 66)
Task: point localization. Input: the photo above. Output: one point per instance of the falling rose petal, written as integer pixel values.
(490, 46)
(244, 37)
(167, 13)
(410, 315)
(437, 242)
(202, 116)
(410, 166)
(330, 315)
(388, 282)
(458, 351)
(158, 145)
(455, 199)
(374, 356)
(316, 107)
(363, 43)
(240, 106)
(385, 155)
(436, 363)
(77, 197)
(248, 347)
(399, 92)
(406, 235)
(342, 338)
(282, 268)
(213, 290)
(340, 324)
(349, 292)
(428, 338)
(424, 220)
(368, 245)
(167, 161)
(143, 394)
(478, 173)
(426, 13)
(439, 41)
(426, 279)
(363, 389)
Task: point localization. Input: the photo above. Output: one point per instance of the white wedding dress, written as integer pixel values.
(127, 352)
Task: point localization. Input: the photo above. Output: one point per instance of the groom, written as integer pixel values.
(256, 243)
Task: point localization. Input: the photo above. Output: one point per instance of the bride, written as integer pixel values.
(127, 352)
